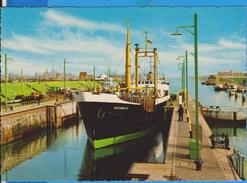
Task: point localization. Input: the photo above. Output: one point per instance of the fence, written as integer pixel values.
(239, 164)
(29, 104)
(225, 109)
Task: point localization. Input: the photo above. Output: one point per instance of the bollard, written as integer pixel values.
(198, 165)
(241, 172)
(235, 124)
(190, 133)
(245, 171)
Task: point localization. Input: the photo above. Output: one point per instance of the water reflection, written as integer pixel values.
(113, 162)
(47, 155)
(15, 153)
(65, 154)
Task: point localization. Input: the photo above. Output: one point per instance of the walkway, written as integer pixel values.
(178, 165)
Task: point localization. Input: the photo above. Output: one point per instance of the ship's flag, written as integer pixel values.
(149, 42)
(3, 3)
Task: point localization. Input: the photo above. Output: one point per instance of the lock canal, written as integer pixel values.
(65, 154)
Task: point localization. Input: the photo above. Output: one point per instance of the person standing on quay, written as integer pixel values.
(180, 113)
(227, 142)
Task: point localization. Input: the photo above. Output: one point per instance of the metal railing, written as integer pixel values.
(239, 164)
(226, 109)
(30, 104)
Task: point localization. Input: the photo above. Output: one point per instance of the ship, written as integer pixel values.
(132, 110)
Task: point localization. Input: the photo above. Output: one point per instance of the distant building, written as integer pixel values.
(231, 74)
(83, 75)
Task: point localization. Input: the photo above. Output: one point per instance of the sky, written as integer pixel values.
(40, 38)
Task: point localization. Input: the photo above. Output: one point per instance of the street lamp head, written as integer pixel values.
(176, 34)
(10, 59)
(180, 58)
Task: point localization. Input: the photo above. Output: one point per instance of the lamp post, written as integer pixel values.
(183, 78)
(94, 77)
(187, 86)
(185, 74)
(193, 30)
(180, 67)
(6, 59)
(64, 73)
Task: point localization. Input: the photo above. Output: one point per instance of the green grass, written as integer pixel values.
(223, 81)
(240, 80)
(14, 89)
(41, 87)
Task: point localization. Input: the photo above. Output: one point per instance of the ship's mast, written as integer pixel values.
(128, 64)
(136, 67)
(155, 72)
(146, 44)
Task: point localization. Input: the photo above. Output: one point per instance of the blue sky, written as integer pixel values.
(37, 38)
(125, 3)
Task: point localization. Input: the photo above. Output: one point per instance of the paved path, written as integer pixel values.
(216, 163)
(185, 168)
(178, 165)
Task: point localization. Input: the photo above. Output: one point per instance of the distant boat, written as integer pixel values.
(219, 87)
(129, 112)
(238, 95)
(231, 92)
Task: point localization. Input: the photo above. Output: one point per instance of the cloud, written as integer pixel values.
(23, 43)
(229, 44)
(65, 20)
(223, 50)
(70, 43)
(83, 49)
(29, 65)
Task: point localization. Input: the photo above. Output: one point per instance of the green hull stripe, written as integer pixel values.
(115, 140)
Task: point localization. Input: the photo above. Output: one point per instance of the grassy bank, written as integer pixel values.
(240, 81)
(26, 88)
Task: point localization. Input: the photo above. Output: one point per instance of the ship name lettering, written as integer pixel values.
(120, 108)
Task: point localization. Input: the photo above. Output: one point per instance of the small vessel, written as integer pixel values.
(129, 112)
(207, 82)
(203, 82)
(219, 87)
(238, 95)
(231, 92)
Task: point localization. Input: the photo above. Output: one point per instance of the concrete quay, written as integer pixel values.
(178, 165)
(19, 123)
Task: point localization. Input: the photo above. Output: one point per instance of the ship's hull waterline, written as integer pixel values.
(112, 122)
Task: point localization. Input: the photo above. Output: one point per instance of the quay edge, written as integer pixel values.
(17, 124)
